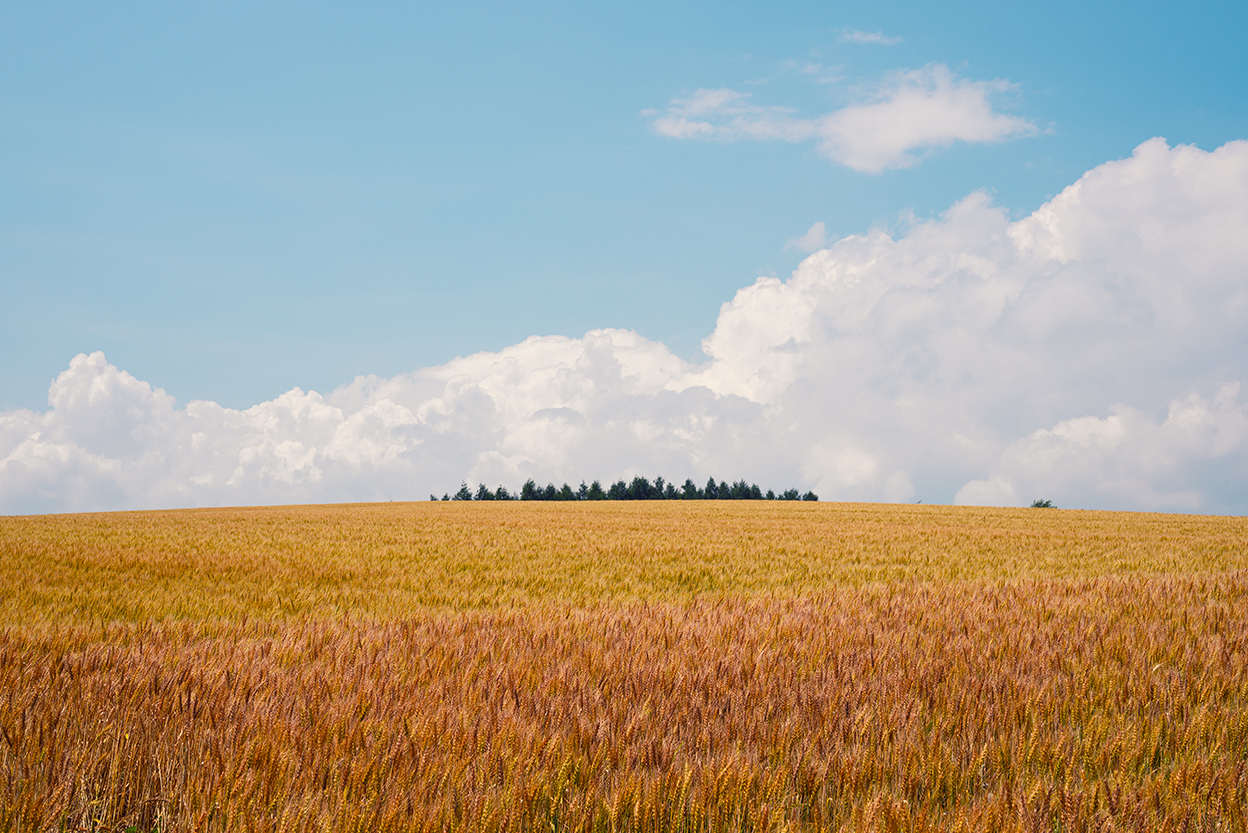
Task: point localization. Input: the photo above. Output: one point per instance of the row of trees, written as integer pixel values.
(639, 489)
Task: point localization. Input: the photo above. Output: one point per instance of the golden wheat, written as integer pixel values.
(1094, 704)
(623, 667)
(386, 560)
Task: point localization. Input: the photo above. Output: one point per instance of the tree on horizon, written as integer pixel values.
(639, 488)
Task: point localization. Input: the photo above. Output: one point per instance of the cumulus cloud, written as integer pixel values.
(1092, 353)
(816, 237)
(910, 111)
(1125, 458)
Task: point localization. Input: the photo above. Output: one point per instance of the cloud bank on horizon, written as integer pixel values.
(1091, 353)
(911, 110)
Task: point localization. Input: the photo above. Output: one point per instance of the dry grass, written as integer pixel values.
(388, 560)
(615, 668)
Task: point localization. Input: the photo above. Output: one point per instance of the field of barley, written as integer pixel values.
(651, 666)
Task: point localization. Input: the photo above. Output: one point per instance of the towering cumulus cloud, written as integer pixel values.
(1091, 353)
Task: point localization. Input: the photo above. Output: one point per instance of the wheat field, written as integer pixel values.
(623, 667)
(392, 559)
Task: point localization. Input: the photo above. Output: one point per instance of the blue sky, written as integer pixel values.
(233, 201)
(978, 253)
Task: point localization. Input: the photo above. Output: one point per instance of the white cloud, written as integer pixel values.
(1092, 353)
(728, 114)
(910, 111)
(855, 36)
(823, 74)
(1126, 458)
(816, 237)
(920, 109)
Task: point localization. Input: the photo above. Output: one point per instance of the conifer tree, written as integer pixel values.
(639, 489)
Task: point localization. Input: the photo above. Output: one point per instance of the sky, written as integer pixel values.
(974, 252)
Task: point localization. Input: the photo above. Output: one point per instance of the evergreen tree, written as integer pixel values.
(640, 489)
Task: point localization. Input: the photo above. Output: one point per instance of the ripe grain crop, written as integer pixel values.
(1109, 703)
(388, 560)
(623, 668)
